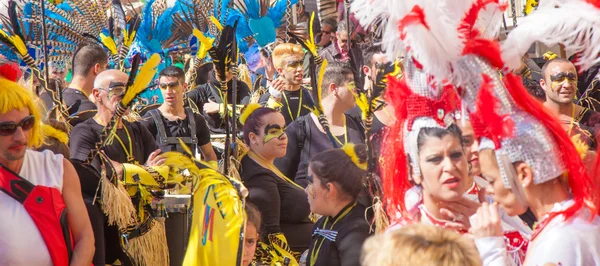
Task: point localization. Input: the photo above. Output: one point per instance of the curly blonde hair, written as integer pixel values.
(420, 244)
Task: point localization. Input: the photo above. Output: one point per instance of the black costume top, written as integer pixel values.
(291, 103)
(284, 206)
(211, 90)
(78, 105)
(85, 135)
(337, 241)
(193, 132)
(295, 163)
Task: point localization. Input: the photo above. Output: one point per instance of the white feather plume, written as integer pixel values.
(571, 23)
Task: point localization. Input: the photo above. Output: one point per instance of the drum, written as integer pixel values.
(176, 225)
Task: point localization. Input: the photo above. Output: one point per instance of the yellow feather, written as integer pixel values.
(205, 43)
(186, 148)
(248, 110)
(581, 147)
(217, 23)
(109, 43)
(349, 150)
(142, 80)
(17, 42)
(320, 80)
(310, 43)
(128, 37)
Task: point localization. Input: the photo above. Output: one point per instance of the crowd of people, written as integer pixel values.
(370, 133)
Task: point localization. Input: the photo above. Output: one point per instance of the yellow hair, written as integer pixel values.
(250, 108)
(52, 132)
(284, 50)
(349, 150)
(15, 97)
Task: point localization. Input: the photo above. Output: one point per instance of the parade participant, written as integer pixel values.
(251, 236)
(171, 122)
(286, 93)
(208, 98)
(306, 135)
(337, 177)
(327, 34)
(420, 244)
(560, 85)
(338, 51)
(286, 227)
(54, 228)
(133, 143)
(88, 62)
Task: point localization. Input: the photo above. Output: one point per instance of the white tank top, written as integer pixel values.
(21, 243)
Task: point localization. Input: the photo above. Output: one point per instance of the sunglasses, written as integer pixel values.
(174, 85)
(9, 128)
(118, 91)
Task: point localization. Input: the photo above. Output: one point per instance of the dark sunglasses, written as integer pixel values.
(9, 128)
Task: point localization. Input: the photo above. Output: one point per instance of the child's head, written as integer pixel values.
(251, 234)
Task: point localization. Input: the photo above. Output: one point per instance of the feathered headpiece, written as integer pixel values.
(259, 19)
(572, 23)
(418, 103)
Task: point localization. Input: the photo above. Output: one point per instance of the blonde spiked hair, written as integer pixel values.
(284, 50)
(14, 96)
(420, 244)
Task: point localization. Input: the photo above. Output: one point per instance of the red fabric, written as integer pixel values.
(580, 183)
(10, 71)
(45, 206)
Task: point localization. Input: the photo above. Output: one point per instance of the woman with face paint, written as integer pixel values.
(286, 227)
(336, 178)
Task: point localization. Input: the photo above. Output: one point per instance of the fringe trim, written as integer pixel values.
(117, 204)
(380, 220)
(151, 247)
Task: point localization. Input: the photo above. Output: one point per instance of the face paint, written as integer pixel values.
(559, 79)
(273, 131)
(295, 64)
(351, 86)
(174, 85)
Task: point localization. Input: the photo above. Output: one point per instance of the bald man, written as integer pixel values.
(133, 144)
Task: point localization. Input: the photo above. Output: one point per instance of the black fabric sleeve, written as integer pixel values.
(288, 164)
(82, 141)
(148, 122)
(148, 142)
(196, 96)
(350, 244)
(202, 131)
(263, 193)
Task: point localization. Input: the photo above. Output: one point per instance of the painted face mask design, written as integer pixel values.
(273, 131)
(560, 78)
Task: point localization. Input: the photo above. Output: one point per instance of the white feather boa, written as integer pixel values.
(572, 23)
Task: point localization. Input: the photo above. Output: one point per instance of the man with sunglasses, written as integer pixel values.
(340, 50)
(172, 121)
(559, 83)
(40, 195)
(132, 144)
(286, 93)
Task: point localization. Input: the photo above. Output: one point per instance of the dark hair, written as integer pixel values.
(534, 89)
(369, 53)
(253, 215)
(452, 130)
(335, 73)
(331, 22)
(87, 57)
(254, 122)
(549, 62)
(55, 145)
(335, 165)
(172, 72)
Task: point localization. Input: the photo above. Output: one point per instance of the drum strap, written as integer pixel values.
(192, 141)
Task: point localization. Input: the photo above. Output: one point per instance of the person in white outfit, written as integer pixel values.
(37, 189)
